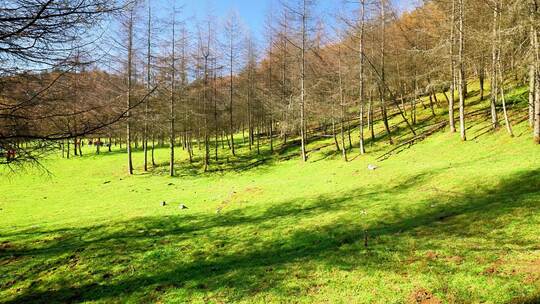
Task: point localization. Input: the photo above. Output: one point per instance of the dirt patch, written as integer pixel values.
(532, 267)
(5, 246)
(235, 197)
(494, 268)
(531, 270)
(491, 270)
(455, 259)
(430, 255)
(423, 296)
(253, 190)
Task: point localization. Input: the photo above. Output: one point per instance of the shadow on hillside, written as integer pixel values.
(260, 263)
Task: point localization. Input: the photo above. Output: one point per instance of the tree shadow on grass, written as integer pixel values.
(244, 252)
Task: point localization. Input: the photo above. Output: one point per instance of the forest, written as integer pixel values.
(167, 82)
(351, 151)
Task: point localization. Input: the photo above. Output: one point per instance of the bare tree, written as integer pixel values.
(233, 31)
(461, 63)
(361, 72)
(130, 25)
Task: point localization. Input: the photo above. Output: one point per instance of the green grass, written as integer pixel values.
(456, 221)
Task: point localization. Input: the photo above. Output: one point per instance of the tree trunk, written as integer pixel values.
(494, 77)
(129, 84)
(172, 99)
(342, 108)
(532, 81)
(370, 118)
(153, 148)
(271, 134)
(361, 93)
(462, 79)
(148, 73)
(302, 85)
(536, 50)
(382, 90)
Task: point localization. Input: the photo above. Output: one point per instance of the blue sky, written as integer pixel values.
(253, 12)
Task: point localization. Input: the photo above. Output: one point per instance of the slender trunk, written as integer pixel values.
(214, 98)
(452, 70)
(370, 118)
(349, 135)
(501, 77)
(172, 98)
(231, 94)
(431, 104)
(462, 79)
(153, 148)
(536, 51)
(532, 81)
(382, 90)
(481, 77)
(435, 98)
(494, 77)
(506, 118)
(384, 115)
(129, 87)
(334, 133)
(250, 123)
(302, 85)
(415, 99)
(148, 73)
(271, 134)
(206, 143)
(258, 139)
(361, 93)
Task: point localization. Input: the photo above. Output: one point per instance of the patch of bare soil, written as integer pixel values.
(423, 296)
(494, 268)
(430, 255)
(531, 270)
(455, 259)
(5, 245)
(236, 197)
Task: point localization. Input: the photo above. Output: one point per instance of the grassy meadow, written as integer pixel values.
(443, 221)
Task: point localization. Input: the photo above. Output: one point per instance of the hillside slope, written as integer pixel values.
(444, 221)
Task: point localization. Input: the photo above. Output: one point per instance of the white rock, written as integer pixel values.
(372, 167)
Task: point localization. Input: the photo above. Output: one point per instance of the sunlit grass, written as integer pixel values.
(453, 221)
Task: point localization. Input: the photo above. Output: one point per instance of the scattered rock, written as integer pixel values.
(372, 167)
(182, 206)
(170, 184)
(163, 204)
